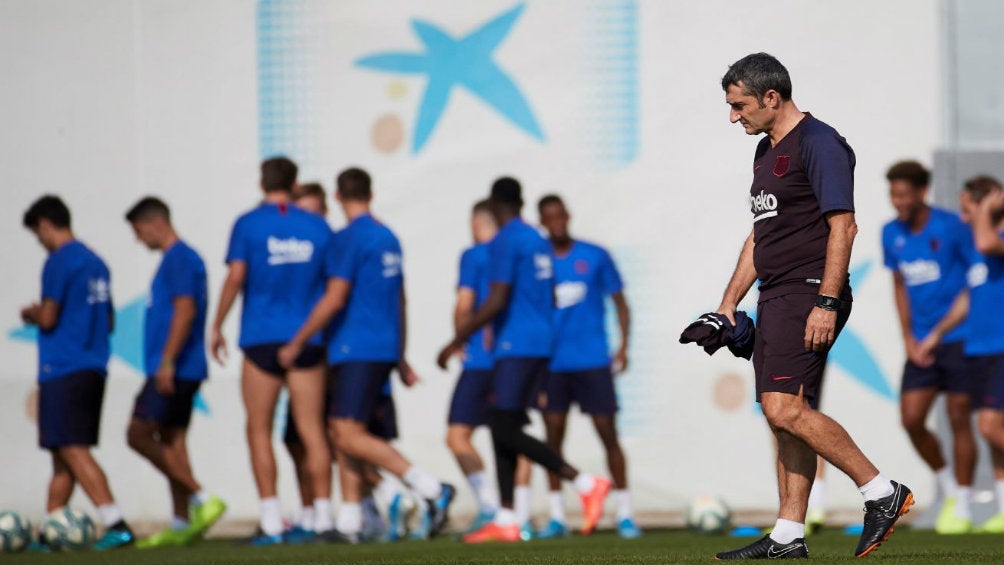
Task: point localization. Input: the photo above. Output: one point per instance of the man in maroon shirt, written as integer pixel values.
(802, 200)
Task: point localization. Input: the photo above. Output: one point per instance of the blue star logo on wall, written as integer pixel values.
(448, 62)
(127, 339)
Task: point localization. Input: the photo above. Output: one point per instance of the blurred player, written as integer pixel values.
(927, 250)
(469, 405)
(802, 200)
(311, 197)
(275, 258)
(982, 203)
(74, 319)
(174, 351)
(521, 304)
(581, 369)
(365, 286)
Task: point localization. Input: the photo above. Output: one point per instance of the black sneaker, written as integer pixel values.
(438, 509)
(334, 536)
(880, 515)
(766, 548)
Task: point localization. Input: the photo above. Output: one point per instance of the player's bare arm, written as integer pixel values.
(955, 316)
(404, 371)
(985, 235)
(185, 310)
(820, 328)
(335, 296)
(498, 297)
(741, 282)
(910, 343)
(232, 286)
(44, 315)
(624, 322)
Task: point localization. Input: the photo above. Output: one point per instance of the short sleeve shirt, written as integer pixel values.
(985, 324)
(182, 273)
(520, 258)
(474, 277)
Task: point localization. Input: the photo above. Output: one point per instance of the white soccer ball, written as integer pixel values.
(67, 529)
(708, 515)
(15, 532)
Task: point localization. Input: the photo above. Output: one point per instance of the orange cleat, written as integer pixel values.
(493, 532)
(592, 505)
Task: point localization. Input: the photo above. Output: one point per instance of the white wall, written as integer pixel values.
(106, 101)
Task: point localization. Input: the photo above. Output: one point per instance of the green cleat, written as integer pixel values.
(206, 514)
(950, 524)
(995, 525)
(167, 538)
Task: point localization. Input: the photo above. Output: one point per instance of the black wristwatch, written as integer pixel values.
(830, 303)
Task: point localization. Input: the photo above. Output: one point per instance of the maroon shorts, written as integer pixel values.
(780, 360)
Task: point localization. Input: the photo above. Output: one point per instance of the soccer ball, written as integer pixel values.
(15, 532)
(67, 529)
(708, 515)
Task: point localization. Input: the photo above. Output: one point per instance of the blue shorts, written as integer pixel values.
(516, 382)
(469, 405)
(986, 373)
(266, 357)
(592, 389)
(69, 409)
(949, 373)
(173, 411)
(355, 389)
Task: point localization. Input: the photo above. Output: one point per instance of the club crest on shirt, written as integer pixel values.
(581, 266)
(935, 244)
(781, 165)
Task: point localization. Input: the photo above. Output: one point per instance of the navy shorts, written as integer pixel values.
(516, 382)
(780, 360)
(173, 411)
(949, 373)
(266, 357)
(383, 420)
(592, 389)
(69, 409)
(986, 374)
(469, 405)
(355, 389)
(290, 436)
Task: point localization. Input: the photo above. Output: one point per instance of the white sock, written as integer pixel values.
(584, 482)
(178, 523)
(521, 504)
(271, 516)
(1000, 496)
(109, 513)
(386, 490)
(624, 510)
(198, 499)
(817, 495)
(556, 501)
(323, 520)
(505, 517)
(306, 518)
(423, 483)
(488, 500)
(963, 502)
(350, 518)
(946, 480)
(786, 531)
(879, 487)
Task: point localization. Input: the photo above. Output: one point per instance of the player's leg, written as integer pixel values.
(815, 516)
(989, 397)
(307, 399)
(303, 526)
(522, 504)
(555, 424)
(468, 410)
(260, 391)
(60, 485)
(959, 409)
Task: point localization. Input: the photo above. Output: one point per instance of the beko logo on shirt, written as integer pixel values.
(568, 294)
(391, 264)
(290, 250)
(542, 263)
(98, 291)
(977, 275)
(764, 206)
(921, 271)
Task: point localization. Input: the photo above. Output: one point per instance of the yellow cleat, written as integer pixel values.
(166, 538)
(814, 521)
(995, 525)
(950, 524)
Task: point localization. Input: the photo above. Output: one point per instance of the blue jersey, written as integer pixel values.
(521, 258)
(283, 247)
(78, 281)
(368, 256)
(582, 280)
(933, 265)
(474, 277)
(985, 324)
(182, 273)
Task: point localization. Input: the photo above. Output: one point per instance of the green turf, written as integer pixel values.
(663, 547)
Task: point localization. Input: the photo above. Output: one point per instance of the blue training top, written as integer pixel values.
(985, 324)
(182, 273)
(474, 276)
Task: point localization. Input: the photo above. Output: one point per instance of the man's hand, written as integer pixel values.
(620, 363)
(820, 329)
(288, 353)
(993, 201)
(164, 378)
(729, 311)
(921, 354)
(408, 376)
(29, 314)
(450, 350)
(218, 346)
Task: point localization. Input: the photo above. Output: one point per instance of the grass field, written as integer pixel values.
(663, 547)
